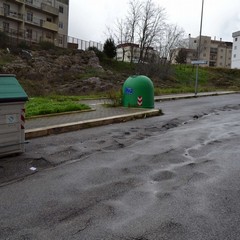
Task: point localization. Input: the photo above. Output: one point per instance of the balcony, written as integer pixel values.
(49, 9)
(17, 1)
(33, 21)
(11, 15)
(33, 4)
(49, 25)
(42, 7)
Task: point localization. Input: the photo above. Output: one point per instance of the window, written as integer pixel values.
(221, 57)
(235, 47)
(29, 33)
(48, 35)
(29, 16)
(5, 27)
(29, 1)
(234, 55)
(49, 19)
(61, 9)
(60, 25)
(60, 40)
(6, 8)
(236, 39)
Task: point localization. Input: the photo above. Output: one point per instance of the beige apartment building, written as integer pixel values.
(128, 52)
(35, 20)
(216, 53)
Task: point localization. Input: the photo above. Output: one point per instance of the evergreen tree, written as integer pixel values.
(181, 58)
(109, 48)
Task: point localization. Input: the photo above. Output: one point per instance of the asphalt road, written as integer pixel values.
(172, 177)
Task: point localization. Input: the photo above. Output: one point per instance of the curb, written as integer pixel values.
(63, 128)
(169, 98)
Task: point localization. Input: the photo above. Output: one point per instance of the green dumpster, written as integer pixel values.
(138, 91)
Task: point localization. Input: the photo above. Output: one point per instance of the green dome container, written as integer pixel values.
(138, 91)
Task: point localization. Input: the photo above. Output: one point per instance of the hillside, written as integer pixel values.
(75, 72)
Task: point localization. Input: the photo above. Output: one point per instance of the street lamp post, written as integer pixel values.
(198, 52)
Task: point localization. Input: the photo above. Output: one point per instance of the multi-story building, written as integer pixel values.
(35, 20)
(216, 53)
(236, 50)
(128, 52)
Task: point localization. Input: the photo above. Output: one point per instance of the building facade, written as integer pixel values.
(130, 52)
(236, 50)
(35, 20)
(216, 53)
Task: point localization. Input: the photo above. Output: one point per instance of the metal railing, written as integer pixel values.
(17, 36)
(11, 14)
(83, 44)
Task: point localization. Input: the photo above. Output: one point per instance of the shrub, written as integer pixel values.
(45, 45)
(23, 45)
(3, 40)
(115, 97)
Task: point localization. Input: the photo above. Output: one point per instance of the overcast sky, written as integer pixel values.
(88, 18)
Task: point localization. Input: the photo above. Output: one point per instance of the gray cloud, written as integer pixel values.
(88, 19)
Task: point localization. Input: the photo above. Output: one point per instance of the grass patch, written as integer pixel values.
(55, 104)
(118, 66)
(186, 74)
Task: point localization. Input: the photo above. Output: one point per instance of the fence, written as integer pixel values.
(36, 36)
(83, 45)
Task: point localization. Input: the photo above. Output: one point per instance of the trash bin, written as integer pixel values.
(12, 115)
(138, 91)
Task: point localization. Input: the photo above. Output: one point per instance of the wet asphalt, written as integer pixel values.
(174, 176)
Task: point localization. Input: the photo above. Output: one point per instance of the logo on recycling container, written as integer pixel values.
(128, 90)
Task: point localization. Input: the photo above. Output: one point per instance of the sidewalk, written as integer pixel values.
(100, 115)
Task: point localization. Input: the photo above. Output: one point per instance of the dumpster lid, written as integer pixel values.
(11, 90)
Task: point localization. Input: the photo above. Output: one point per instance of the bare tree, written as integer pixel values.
(122, 35)
(125, 30)
(145, 27)
(171, 39)
(133, 18)
(150, 27)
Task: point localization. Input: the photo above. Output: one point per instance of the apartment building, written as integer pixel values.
(35, 20)
(216, 53)
(128, 52)
(236, 50)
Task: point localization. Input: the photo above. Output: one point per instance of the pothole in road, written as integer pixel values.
(15, 168)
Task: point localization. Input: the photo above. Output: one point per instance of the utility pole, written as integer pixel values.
(198, 52)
